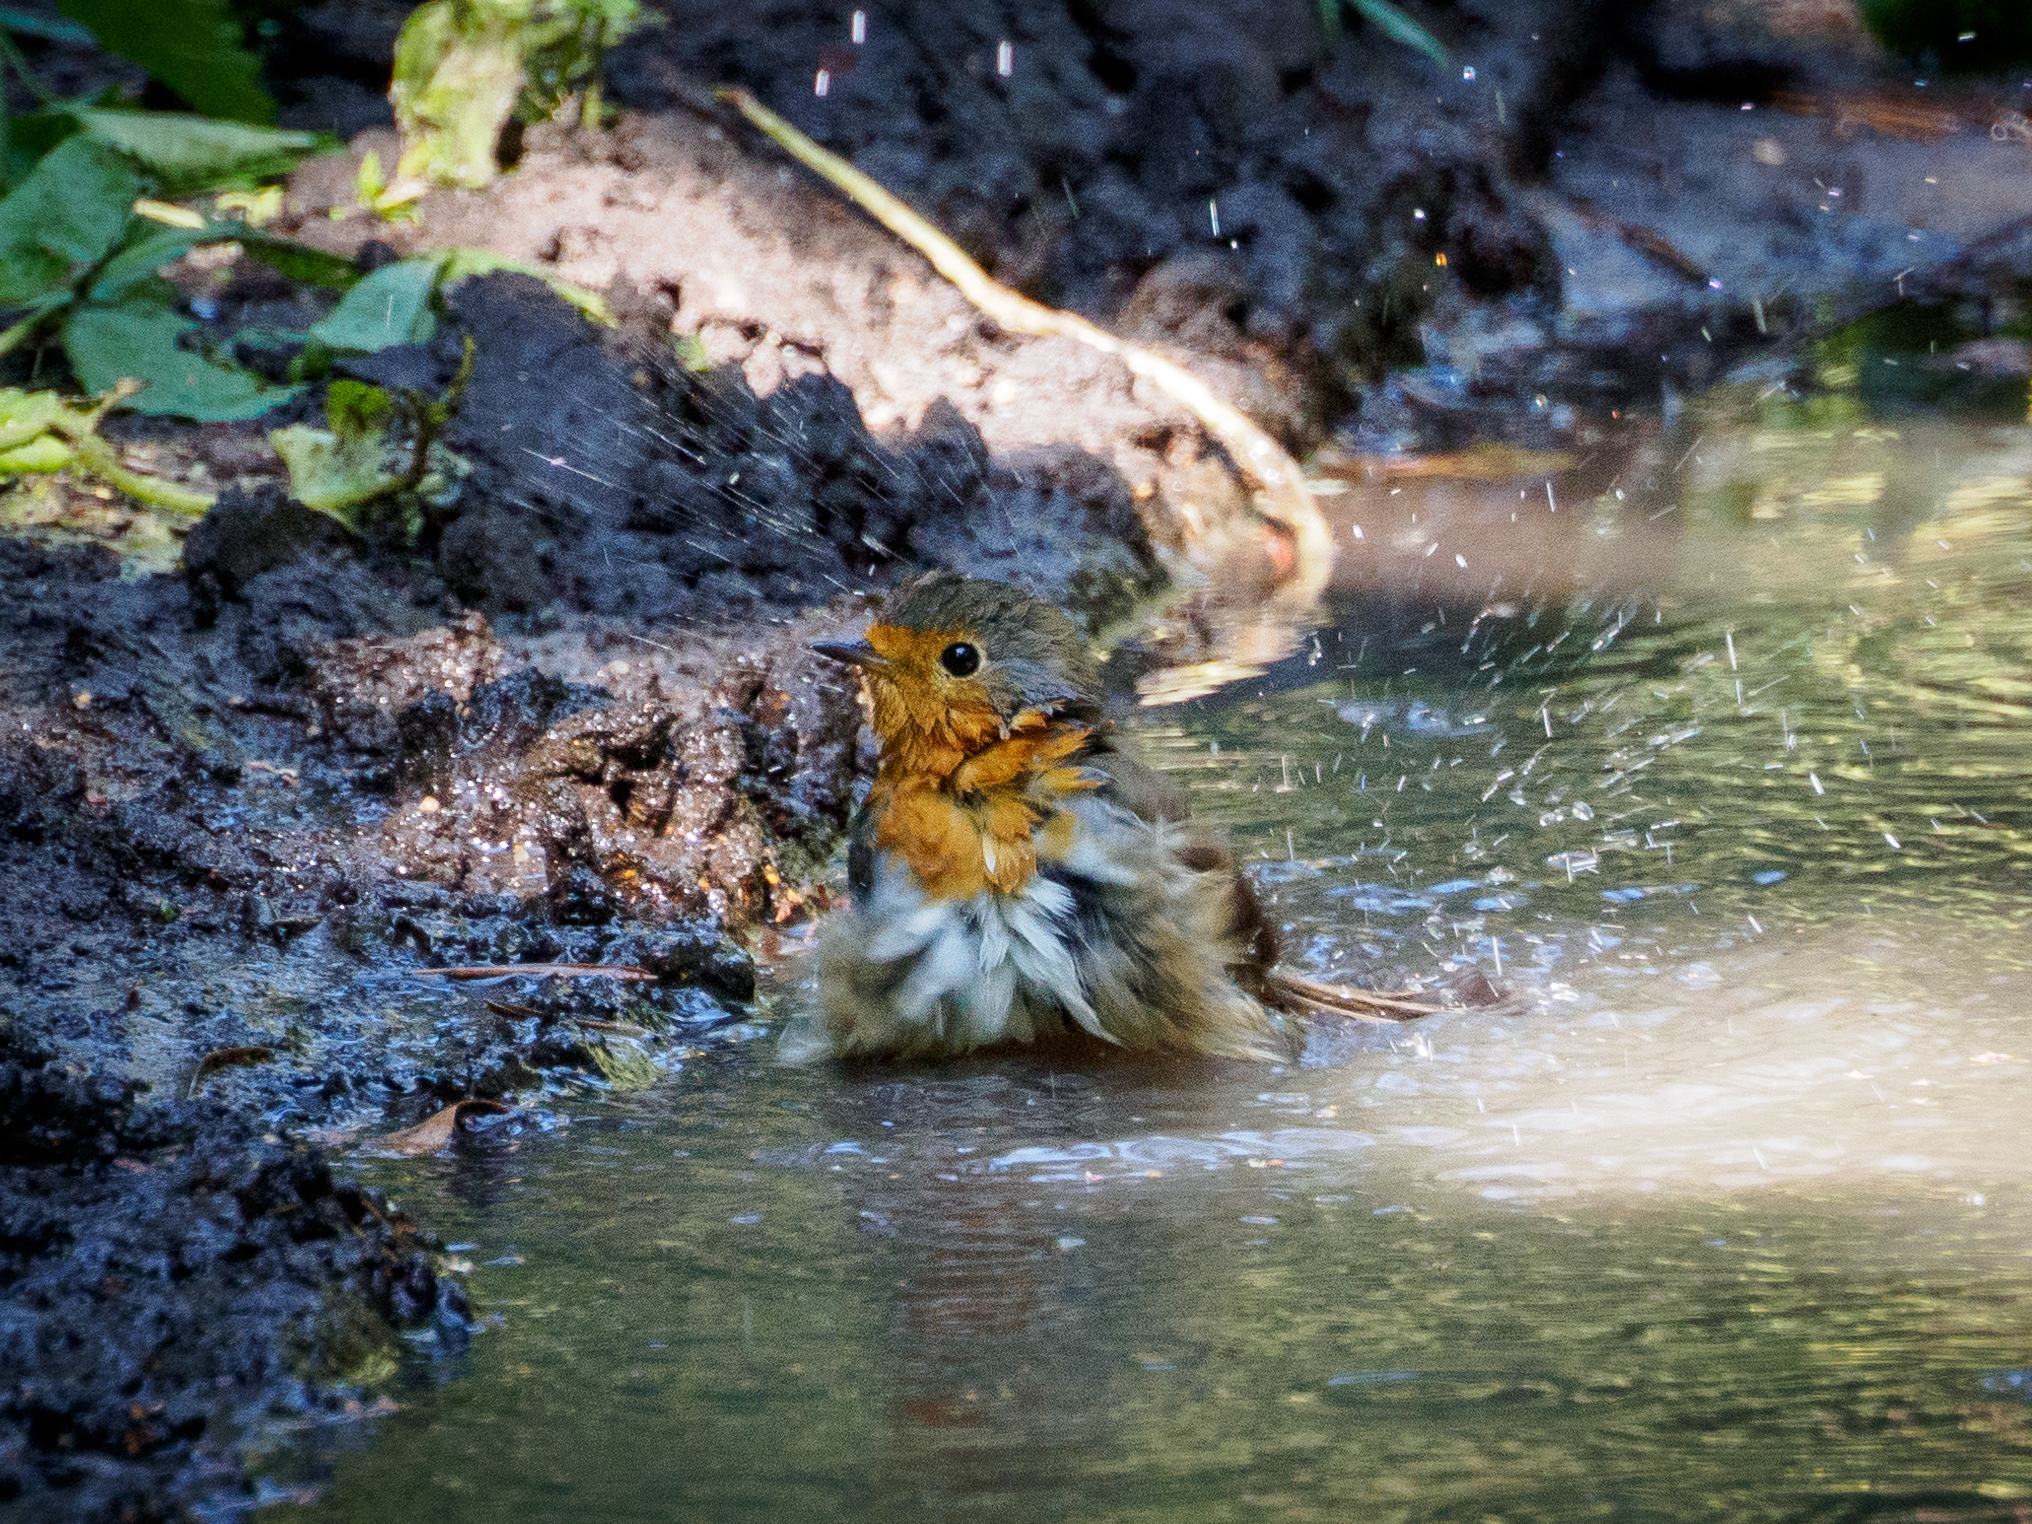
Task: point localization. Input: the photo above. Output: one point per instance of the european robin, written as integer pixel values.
(1018, 879)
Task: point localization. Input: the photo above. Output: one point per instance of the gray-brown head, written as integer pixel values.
(959, 659)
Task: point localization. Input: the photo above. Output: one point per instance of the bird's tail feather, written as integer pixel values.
(1311, 997)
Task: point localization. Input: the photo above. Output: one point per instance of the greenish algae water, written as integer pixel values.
(1725, 1214)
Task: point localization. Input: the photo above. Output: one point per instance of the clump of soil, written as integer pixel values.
(653, 492)
(172, 1275)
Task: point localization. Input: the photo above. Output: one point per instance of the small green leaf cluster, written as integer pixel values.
(82, 250)
(85, 244)
(465, 68)
(40, 432)
(80, 254)
(80, 259)
(379, 458)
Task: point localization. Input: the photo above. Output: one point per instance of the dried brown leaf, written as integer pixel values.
(434, 1134)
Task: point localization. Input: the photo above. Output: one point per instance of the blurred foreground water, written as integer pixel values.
(1714, 757)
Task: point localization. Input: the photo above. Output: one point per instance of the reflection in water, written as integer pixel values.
(1726, 1216)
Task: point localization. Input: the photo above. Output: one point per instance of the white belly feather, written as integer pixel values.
(901, 972)
(979, 969)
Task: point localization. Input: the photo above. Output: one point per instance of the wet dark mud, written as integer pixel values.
(175, 1275)
(1591, 208)
(247, 807)
(242, 810)
(1224, 179)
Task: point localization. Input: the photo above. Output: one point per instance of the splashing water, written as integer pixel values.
(1724, 1215)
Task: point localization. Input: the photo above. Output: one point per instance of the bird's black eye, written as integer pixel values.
(961, 658)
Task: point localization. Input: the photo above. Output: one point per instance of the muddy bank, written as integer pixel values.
(571, 719)
(248, 808)
(176, 1277)
(235, 830)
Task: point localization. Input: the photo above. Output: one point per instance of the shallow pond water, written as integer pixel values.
(1712, 757)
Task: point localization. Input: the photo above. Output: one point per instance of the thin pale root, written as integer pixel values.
(1282, 499)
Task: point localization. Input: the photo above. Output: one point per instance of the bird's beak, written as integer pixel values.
(857, 654)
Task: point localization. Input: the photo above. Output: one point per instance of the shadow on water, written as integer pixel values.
(1726, 1216)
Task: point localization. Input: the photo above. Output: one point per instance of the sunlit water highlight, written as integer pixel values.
(1725, 1215)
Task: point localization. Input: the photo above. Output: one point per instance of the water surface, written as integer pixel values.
(1712, 758)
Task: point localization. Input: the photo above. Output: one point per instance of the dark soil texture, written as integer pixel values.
(173, 1275)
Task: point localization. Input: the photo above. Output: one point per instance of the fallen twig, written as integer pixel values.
(1282, 498)
(1909, 121)
(1646, 241)
(624, 971)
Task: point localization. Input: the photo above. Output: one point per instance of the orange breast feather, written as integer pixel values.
(976, 829)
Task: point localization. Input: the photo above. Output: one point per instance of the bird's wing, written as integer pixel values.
(1142, 791)
(861, 854)
(1151, 796)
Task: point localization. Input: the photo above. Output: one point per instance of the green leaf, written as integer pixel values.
(195, 47)
(566, 51)
(24, 416)
(391, 306)
(458, 73)
(691, 353)
(42, 456)
(33, 317)
(336, 474)
(143, 257)
(311, 267)
(357, 408)
(66, 216)
(149, 252)
(187, 152)
(340, 470)
(1394, 24)
(32, 135)
(138, 339)
(460, 264)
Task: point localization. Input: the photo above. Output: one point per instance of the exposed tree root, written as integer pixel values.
(1281, 494)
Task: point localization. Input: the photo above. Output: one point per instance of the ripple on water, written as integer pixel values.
(1723, 1216)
